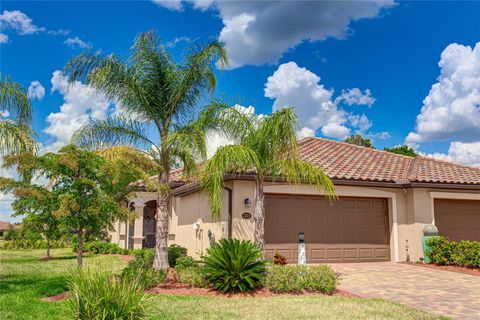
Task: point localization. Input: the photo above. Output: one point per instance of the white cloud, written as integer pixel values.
(382, 135)
(293, 86)
(36, 90)
(80, 103)
(77, 42)
(3, 38)
(451, 111)
(259, 32)
(305, 133)
(177, 40)
(355, 96)
(23, 25)
(175, 5)
(18, 21)
(4, 114)
(463, 153)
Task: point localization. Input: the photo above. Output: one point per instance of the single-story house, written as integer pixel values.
(4, 226)
(385, 200)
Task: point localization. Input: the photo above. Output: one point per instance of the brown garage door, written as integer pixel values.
(458, 219)
(351, 229)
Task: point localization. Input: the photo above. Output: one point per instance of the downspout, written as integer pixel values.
(230, 217)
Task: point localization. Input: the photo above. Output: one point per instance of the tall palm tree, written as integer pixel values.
(265, 146)
(160, 99)
(15, 133)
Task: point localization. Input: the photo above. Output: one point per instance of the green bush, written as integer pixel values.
(141, 267)
(19, 244)
(174, 252)
(445, 252)
(233, 265)
(101, 247)
(296, 279)
(99, 295)
(186, 262)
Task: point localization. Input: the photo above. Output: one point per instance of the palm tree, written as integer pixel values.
(265, 146)
(160, 99)
(15, 134)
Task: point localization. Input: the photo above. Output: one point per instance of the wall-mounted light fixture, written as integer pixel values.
(247, 202)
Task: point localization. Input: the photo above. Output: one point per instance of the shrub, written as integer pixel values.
(19, 244)
(468, 254)
(186, 262)
(141, 268)
(99, 295)
(174, 252)
(441, 250)
(101, 247)
(233, 265)
(296, 279)
(279, 259)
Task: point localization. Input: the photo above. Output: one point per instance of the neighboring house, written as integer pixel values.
(385, 200)
(4, 226)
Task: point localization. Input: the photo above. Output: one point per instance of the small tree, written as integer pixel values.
(359, 141)
(404, 150)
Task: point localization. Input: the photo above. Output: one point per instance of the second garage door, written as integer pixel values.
(349, 230)
(458, 219)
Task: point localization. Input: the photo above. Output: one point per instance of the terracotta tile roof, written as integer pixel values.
(4, 225)
(344, 161)
(341, 160)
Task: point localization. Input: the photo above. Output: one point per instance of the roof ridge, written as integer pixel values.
(357, 146)
(414, 169)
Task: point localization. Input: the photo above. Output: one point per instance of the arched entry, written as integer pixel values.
(149, 224)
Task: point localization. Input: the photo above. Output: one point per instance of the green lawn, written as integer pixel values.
(24, 279)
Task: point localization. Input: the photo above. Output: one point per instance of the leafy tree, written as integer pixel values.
(359, 141)
(160, 98)
(405, 150)
(15, 134)
(266, 147)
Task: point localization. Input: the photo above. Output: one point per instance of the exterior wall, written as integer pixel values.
(409, 211)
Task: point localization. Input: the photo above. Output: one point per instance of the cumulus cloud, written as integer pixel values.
(451, 110)
(77, 42)
(356, 96)
(294, 86)
(459, 152)
(3, 38)
(249, 25)
(36, 90)
(80, 102)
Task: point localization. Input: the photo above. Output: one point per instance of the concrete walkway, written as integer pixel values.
(442, 292)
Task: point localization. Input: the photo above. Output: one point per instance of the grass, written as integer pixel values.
(24, 279)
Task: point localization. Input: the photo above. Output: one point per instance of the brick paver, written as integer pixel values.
(443, 292)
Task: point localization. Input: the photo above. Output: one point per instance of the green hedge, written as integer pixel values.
(19, 244)
(445, 252)
(102, 247)
(297, 279)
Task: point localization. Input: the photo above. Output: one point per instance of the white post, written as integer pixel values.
(138, 227)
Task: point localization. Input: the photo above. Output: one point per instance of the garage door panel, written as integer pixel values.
(458, 219)
(352, 229)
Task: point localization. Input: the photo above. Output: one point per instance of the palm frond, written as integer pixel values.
(98, 134)
(15, 138)
(233, 159)
(15, 100)
(296, 171)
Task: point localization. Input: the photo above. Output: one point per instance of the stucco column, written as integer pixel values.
(138, 225)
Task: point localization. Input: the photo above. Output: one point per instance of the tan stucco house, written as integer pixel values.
(384, 202)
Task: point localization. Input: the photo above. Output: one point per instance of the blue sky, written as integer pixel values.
(405, 72)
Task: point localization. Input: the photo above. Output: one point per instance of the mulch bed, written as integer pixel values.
(58, 297)
(180, 289)
(458, 269)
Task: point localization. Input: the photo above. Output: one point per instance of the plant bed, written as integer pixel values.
(58, 297)
(180, 289)
(123, 257)
(451, 268)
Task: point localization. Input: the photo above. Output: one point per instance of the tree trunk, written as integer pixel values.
(80, 248)
(259, 215)
(48, 249)
(161, 244)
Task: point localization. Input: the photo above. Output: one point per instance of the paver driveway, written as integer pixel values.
(442, 292)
